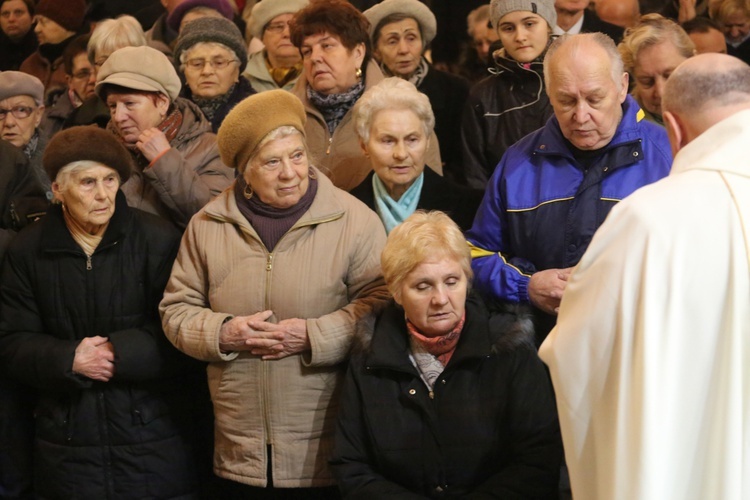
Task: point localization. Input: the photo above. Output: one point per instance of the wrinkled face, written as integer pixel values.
(524, 35)
(211, 70)
(585, 99)
(400, 47)
(48, 31)
(330, 68)
(18, 130)
(653, 66)
(279, 172)
(710, 41)
(89, 196)
(131, 114)
(83, 79)
(736, 27)
(483, 37)
(277, 40)
(15, 20)
(433, 296)
(396, 149)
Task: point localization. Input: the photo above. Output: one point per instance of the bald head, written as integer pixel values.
(706, 82)
(623, 13)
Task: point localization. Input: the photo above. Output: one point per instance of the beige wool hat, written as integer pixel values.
(13, 83)
(252, 119)
(543, 8)
(263, 12)
(139, 68)
(411, 8)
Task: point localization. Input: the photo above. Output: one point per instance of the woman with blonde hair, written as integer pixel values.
(650, 51)
(444, 400)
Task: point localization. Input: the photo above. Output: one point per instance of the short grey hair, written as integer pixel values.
(277, 133)
(112, 34)
(615, 61)
(64, 174)
(392, 93)
(692, 91)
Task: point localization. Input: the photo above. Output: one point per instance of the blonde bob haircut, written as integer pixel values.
(720, 11)
(423, 236)
(653, 29)
(391, 93)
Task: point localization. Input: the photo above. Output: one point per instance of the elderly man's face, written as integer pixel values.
(586, 101)
(15, 20)
(736, 27)
(18, 130)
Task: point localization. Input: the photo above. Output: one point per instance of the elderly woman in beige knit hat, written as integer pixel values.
(178, 169)
(272, 279)
(400, 31)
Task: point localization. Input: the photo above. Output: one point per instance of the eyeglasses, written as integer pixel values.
(84, 74)
(19, 112)
(276, 27)
(217, 63)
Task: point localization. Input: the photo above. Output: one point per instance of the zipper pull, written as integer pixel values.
(432, 394)
(330, 141)
(269, 263)
(89, 267)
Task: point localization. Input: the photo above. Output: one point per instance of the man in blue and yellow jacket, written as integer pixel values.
(554, 188)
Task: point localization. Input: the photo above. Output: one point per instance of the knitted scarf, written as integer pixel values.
(269, 222)
(431, 355)
(393, 212)
(170, 126)
(333, 107)
(210, 105)
(417, 77)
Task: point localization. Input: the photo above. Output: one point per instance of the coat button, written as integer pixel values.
(412, 391)
(543, 147)
(443, 381)
(635, 153)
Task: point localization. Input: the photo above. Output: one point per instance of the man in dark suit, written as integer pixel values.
(574, 16)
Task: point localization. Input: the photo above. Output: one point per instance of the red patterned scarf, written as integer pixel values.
(443, 346)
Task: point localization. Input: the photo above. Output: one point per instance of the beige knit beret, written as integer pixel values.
(139, 68)
(252, 119)
(14, 83)
(411, 8)
(263, 12)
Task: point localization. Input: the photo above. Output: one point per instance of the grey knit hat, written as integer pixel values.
(13, 83)
(411, 8)
(139, 68)
(544, 8)
(263, 12)
(212, 29)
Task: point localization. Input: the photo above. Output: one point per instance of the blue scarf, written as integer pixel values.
(392, 212)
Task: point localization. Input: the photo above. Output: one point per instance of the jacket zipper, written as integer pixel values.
(265, 366)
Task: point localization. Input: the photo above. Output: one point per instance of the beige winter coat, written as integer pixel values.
(339, 155)
(179, 182)
(326, 269)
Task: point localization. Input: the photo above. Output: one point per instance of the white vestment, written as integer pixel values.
(650, 358)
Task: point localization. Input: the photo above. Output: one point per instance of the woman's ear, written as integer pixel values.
(57, 193)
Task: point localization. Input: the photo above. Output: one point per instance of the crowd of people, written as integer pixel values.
(320, 249)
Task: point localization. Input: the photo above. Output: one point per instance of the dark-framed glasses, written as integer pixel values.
(84, 74)
(216, 62)
(19, 112)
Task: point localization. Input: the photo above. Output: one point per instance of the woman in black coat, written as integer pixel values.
(394, 122)
(444, 401)
(118, 411)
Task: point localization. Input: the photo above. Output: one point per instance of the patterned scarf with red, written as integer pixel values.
(443, 346)
(170, 126)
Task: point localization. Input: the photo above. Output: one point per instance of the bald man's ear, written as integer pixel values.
(624, 89)
(675, 132)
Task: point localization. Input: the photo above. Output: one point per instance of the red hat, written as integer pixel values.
(67, 13)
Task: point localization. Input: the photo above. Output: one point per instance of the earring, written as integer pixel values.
(358, 73)
(311, 173)
(248, 192)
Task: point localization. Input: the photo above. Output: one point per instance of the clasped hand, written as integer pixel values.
(269, 340)
(546, 288)
(152, 142)
(95, 358)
